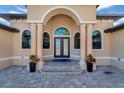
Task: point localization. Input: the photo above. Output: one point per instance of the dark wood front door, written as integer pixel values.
(61, 47)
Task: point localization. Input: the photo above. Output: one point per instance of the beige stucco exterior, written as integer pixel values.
(19, 54)
(5, 48)
(105, 52)
(36, 13)
(117, 44)
(117, 47)
(45, 18)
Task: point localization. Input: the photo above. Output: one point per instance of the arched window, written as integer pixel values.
(46, 40)
(61, 31)
(77, 40)
(96, 39)
(26, 39)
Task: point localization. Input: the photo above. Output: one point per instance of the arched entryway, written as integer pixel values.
(61, 10)
(61, 43)
(54, 19)
(47, 26)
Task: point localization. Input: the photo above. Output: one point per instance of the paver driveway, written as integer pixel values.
(20, 77)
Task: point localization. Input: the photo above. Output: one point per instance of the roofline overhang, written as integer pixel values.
(14, 16)
(7, 28)
(114, 17)
(97, 6)
(114, 29)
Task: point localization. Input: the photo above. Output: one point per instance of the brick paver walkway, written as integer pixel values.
(20, 77)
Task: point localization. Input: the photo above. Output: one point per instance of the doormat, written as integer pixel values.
(108, 72)
(62, 60)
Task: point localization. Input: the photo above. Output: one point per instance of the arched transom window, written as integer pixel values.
(62, 31)
(26, 39)
(96, 40)
(46, 40)
(77, 40)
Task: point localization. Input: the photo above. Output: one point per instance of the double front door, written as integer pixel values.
(61, 47)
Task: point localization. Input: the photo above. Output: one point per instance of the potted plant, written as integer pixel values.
(33, 60)
(90, 60)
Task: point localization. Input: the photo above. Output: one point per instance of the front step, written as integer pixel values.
(61, 60)
(61, 63)
(60, 73)
(61, 68)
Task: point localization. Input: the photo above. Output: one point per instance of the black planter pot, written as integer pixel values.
(89, 67)
(32, 66)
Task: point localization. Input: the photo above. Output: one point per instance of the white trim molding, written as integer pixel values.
(6, 58)
(14, 57)
(118, 59)
(112, 58)
(34, 22)
(104, 58)
(88, 22)
(20, 57)
(76, 56)
(81, 22)
(46, 56)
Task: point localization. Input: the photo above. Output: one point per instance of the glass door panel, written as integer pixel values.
(61, 47)
(58, 47)
(65, 45)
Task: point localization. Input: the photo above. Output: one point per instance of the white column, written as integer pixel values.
(82, 45)
(39, 46)
(33, 39)
(89, 39)
(89, 42)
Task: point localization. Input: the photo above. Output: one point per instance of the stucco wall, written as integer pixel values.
(86, 12)
(103, 55)
(117, 46)
(5, 48)
(19, 54)
(67, 22)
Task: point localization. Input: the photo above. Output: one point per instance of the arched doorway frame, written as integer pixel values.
(49, 14)
(69, 36)
(69, 12)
